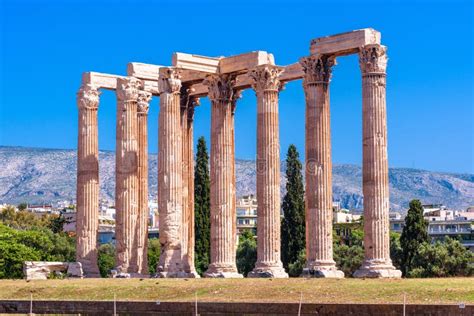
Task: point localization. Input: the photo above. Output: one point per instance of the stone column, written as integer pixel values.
(223, 216)
(318, 171)
(170, 196)
(126, 175)
(142, 223)
(267, 86)
(377, 262)
(87, 198)
(187, 240)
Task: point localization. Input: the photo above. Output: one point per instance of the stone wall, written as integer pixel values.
(188, 308)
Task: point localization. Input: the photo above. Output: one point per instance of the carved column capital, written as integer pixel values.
(265, 78)
(317, 68)
(373, 59)
(169, 80)
(143, 104)
(127, 89)
(221, 87)
(88, 97)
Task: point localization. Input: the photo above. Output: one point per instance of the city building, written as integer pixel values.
(246, 209)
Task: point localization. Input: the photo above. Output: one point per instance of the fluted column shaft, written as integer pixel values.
(126, 175)
(267, 86)
(87, 194)
(377, 262)
(170, 196)
(187, 115)
(223, 237)
(318, 171)
(142, 223)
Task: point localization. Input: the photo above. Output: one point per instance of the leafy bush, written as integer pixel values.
(154, 250)
(106, 260)
(246, 252)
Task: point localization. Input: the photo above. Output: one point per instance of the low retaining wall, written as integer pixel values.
(188, 308)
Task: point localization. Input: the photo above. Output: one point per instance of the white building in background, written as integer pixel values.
(246, 209)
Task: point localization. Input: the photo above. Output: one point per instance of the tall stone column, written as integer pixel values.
(318, 171)
(377, 262)
(170, 182)
(87, 198)
(144, 98)
(126, 175)
(267, 86)
(223, 214)
(187, 240)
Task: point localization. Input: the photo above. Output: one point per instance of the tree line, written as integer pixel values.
(27, 237)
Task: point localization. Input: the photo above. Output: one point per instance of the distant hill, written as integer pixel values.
(37, 175)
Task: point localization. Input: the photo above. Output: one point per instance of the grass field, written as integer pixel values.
(424, 291)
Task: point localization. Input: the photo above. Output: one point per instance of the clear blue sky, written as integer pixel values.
(46, 45)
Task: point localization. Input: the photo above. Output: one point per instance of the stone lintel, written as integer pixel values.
(292, 72)
(196, 62)
(222, 65)
(344, 43)
(143, 71)
(244, 62)
(101, 80)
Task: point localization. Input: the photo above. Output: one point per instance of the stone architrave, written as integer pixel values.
(126, 175)
(143, 104)
(318, 171)
(187, 240)
(223, 214)
(377, 262)
(267, 87)
(170, 197)
(87, 222)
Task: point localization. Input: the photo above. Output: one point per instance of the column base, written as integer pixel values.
(92, 276)
(322, 269)
(371, 269)
(219, 271)
(174, 275)
(268, 272)
(193, 275)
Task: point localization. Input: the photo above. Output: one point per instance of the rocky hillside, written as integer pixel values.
(37, 175)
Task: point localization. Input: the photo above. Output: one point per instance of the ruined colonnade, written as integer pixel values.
(222, 79)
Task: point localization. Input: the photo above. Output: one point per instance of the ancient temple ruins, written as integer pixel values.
(179, 88)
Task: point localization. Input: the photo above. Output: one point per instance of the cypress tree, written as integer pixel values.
(413, 235)
(202, 206)
(293, 224)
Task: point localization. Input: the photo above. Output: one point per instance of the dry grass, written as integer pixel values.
(424, 291)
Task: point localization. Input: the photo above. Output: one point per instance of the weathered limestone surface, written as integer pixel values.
(40, 270)
(144, 98)
(319, 249)
(344, 43)
(223, 237)
(267, 87)
(87, 194)
(187, 232)
(126, 175)
(170, 197)
(377, 262)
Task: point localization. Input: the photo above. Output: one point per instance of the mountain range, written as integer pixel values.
(37, 175)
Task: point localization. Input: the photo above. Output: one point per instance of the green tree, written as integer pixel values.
(442, 259)
(154, 249)
(293, 237)
(106, 260)
(295, 269)
(22, 206)
(396, 250)
(202, 206)
(413, 235)
(246, 252)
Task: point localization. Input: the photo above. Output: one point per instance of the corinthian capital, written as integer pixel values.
(88, 97)
(221, 87)
(143, 104)
(373, 59)
(169, 80)
(317, 68)
(127, 89)
(265, 78)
